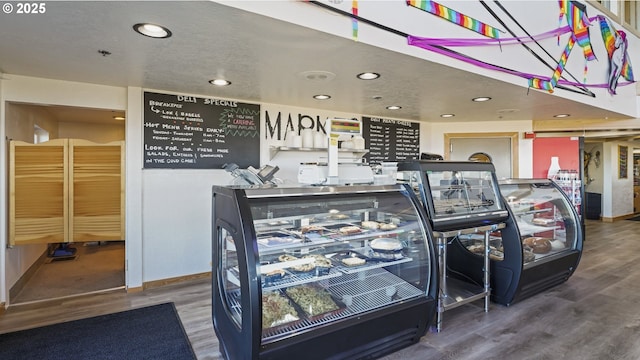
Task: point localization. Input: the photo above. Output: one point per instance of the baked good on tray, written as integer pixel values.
(311, 228)
(299, 268)
(346, 230)
(313, 300)
(353, 261)
(543, 221)
(276, 310)
(538, 245)
(373, 225)
(386, 226)
(319, 260)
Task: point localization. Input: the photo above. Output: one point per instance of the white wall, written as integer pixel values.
(99, 133)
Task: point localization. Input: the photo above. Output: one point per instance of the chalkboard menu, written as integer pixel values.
(187, 132)
(390, 140)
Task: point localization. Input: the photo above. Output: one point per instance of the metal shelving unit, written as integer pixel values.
(454, 292)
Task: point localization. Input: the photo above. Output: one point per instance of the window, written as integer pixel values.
(632, 13)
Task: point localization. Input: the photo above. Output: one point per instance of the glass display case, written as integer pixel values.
(457, 194)
(320, 272)
(548, 227)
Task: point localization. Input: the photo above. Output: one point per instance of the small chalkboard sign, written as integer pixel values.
(390, 140)
(187, 132)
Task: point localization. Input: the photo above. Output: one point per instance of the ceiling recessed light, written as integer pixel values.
(152, 30)
(447, 115)
(321, 97)
(561, 116)
(219, 82)
(394, 107)
(118, 118)
(481, 99)
(368, 76)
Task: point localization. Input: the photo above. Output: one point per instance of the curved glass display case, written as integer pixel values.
(320, 272)
(546, 224)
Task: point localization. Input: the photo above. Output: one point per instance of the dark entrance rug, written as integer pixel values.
(635, 218)
(153, 332)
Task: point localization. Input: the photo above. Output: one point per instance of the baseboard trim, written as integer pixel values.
(617, 218)
(22, 281)
(3, 308)
(134, 289)
(169, 281)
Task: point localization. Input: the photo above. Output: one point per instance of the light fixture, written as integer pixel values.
(481, 99)
(118, 118)
(219, 82)
(447, 115)
(368, 76)
(321, 97)
(152, 30)
(394, 107)
(561, 115)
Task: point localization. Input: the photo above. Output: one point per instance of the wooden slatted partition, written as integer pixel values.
(38, 192)
(96, 205)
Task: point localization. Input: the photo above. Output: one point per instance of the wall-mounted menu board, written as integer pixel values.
(187, 132)
(390, 140)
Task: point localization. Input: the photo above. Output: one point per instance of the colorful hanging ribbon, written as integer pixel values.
(455, 17)
(578, 22)
(354, 20)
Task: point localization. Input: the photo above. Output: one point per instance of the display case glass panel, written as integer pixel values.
(462, 192)
(546, 220)
(326, 258)
(231, 284)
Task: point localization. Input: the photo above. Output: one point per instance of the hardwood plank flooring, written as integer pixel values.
(594, 315)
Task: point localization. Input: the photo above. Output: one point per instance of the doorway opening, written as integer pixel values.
(84, 258)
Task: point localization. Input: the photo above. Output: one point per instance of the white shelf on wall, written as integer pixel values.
(274, 150)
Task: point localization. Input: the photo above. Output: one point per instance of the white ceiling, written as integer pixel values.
(263, 57)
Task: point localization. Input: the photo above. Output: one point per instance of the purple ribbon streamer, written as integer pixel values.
(433, 46)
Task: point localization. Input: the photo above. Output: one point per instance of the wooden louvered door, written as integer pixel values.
(66, 191)
(96, 205)
(38, 192)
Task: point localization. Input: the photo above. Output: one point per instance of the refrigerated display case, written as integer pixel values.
(341, 272)
(549, 230)
(456, 194)
(465, 209)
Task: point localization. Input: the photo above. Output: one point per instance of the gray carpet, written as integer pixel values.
(95, 267)
(153, 332)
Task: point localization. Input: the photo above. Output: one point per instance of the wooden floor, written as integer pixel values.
(594, 315)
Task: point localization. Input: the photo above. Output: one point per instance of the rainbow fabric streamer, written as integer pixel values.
(354, 21)
(446, 13)
(548, 85)
(578, 22)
